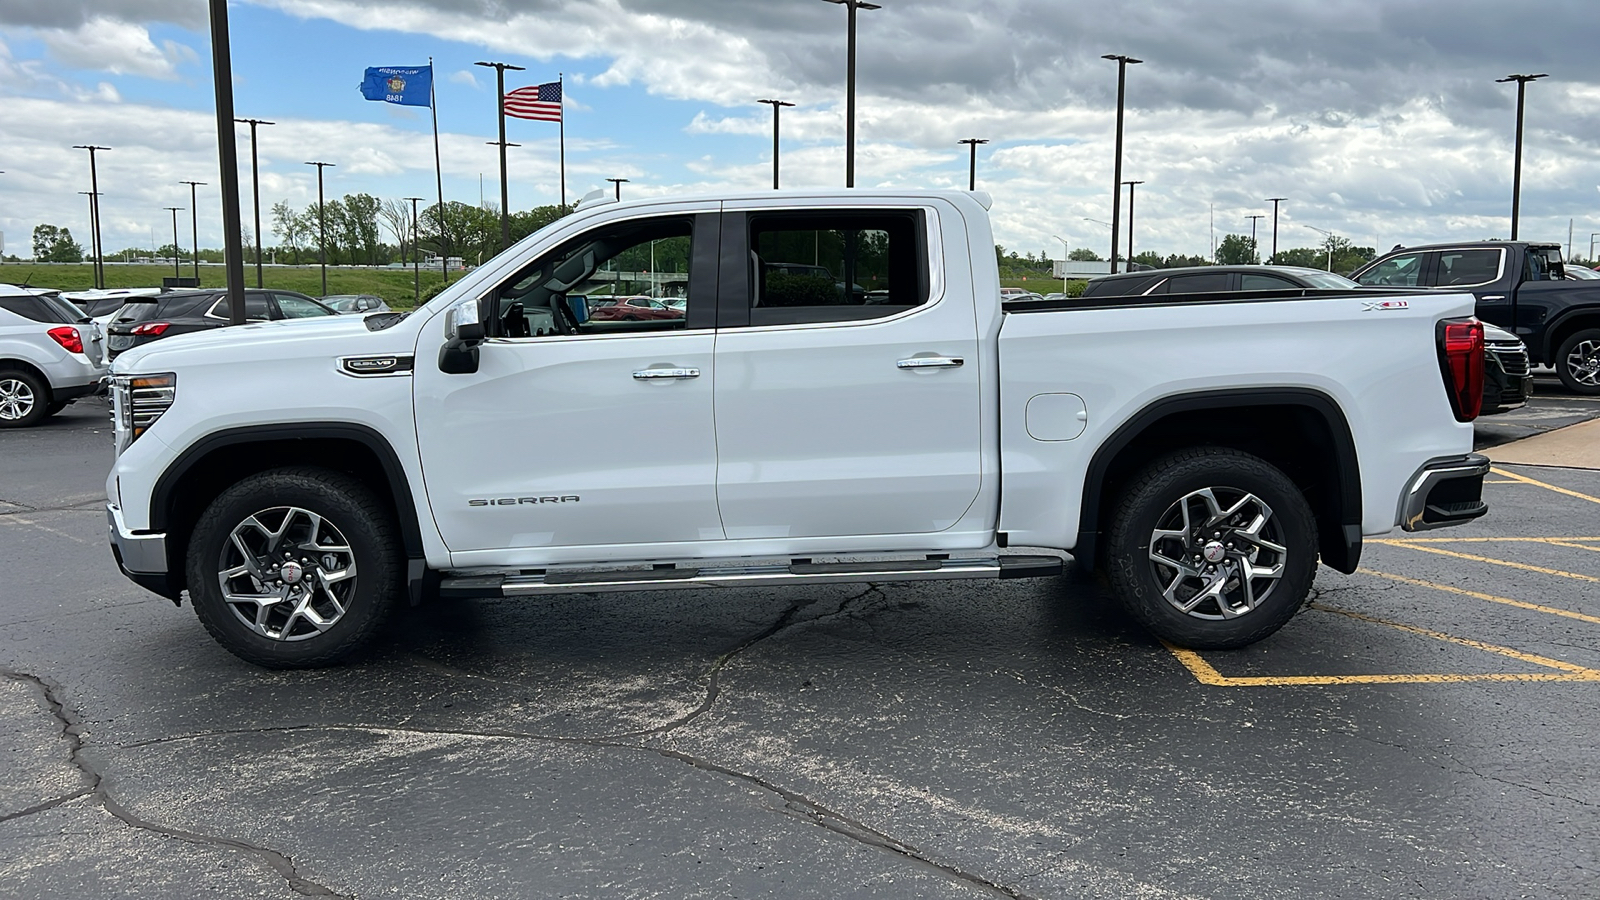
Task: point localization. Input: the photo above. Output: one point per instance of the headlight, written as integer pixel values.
(138, 401)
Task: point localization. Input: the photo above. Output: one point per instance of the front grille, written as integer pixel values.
(1513, 359)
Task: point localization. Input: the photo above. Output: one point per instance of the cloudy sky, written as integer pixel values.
(1379, 120)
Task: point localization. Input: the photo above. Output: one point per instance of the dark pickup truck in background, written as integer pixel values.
(1521, 287)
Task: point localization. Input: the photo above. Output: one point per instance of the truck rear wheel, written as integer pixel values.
(294, 568)
(1578, 361)
(1212, 548)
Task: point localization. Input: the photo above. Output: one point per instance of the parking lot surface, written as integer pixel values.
(1424, 729)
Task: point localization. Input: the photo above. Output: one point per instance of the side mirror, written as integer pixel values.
(463, 332)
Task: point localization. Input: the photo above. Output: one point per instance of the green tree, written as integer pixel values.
(1305, 257)
(1084, 254)
(1237, 250)
(287, 226)
(52, 244)
(1178, 260)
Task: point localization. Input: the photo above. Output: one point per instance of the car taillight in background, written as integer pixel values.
(68, 337)
(152, 329)
(1461, 363)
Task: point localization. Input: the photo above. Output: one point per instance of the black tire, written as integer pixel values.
(24, 399)
(1243, 611)
(1578, 362)
(352, 520)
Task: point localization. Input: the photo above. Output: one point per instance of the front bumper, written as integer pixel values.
(1446, 491)
(141, 557)
(1507, 379)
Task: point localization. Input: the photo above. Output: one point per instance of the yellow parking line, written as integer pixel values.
(1484, 559)
(1560, 490)
(1520, 604)
(1487, 540)
(1205, 673)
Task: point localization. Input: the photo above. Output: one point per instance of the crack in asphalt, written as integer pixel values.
(795, 804)
(73, 733)
(96, 505)
(1462, 768)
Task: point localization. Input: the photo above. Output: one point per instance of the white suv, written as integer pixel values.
(50, 355)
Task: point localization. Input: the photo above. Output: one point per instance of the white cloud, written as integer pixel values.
(122, 48)
(464, 76)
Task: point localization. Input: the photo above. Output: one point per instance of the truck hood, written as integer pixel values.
(288, 338)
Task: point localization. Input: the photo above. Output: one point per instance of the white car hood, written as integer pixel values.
(256, 340)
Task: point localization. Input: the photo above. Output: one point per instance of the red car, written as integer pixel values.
(630, 309)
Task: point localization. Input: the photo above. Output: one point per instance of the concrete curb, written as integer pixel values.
(1573, 447)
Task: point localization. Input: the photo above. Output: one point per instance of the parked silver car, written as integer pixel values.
(50, 355)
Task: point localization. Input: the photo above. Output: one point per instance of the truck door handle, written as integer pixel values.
(930, 362)
(1494, 296)
(642, 374)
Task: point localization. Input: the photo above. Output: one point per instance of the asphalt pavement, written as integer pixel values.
(1425, 728)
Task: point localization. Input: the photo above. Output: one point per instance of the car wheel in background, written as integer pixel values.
(1578, 361)
(295, 568)
(1211, 548)
(24, 399)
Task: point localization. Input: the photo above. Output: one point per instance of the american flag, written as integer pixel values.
(542, 102)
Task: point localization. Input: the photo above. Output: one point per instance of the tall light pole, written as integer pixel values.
(1116, 169)
(972, 164)
(1516, 172)
(416, 254)
(90, 195)
(1275, 201)
(1329, 236)
(1064, 253)
(1592, 236)
(618, 182)
(1131, 185)
(1253, 220)
(322, 227)
(176, 272)
(777, 108)
(194, 224)
(255, 188)
(850, 88)
(500, 99)
(94, 212)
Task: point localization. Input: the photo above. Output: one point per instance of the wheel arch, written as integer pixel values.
(1301, 431)
(1563, 327)
(17, 364)
(218, 460)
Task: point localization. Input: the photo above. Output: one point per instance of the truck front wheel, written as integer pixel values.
(294, 568)
(1578, 361)
(1212, 549)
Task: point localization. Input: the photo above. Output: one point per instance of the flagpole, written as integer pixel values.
(438, 175)
(561, 79)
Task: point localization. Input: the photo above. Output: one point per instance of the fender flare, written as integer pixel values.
(1339, 542)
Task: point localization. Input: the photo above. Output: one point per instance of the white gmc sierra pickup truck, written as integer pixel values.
(782, 388)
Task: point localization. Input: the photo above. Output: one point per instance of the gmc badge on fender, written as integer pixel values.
(518, 501)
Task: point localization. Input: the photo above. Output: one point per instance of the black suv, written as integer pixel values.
(1214, 280)
(146, 319)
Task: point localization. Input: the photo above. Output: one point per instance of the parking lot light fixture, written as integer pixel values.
(255, 187)
(1253, 220)
(1592, 236)
(1516, 166)
(1064, 253)
(850, 87)
(1131, 185)
(1123, 62)
(777, 108)
(94, 212)
(416, 253)
(194, 225)
(176, 272)
(972, 164)
(500, 94)
(1275, 201)
(322, 227)
(1329, 236)
(618, 183)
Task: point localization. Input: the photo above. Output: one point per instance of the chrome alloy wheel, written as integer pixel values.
(1583, 363)
(1217, 553)
(16, 399)
(287, 573)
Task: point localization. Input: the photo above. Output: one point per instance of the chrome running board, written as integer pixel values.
(535, 583)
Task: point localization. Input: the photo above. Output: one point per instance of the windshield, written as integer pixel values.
(1328, 280)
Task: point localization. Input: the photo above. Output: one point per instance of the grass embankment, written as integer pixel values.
(393, 285)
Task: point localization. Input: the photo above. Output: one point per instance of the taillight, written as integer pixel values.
(1461, 363)
(153, 329)
(68, 337)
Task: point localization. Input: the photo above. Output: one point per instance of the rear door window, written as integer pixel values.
(1253, 282)
(835, 266)
(1404, 270)
(1199, 283)
(36, 309)
(255, 309)
(1467, 268)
